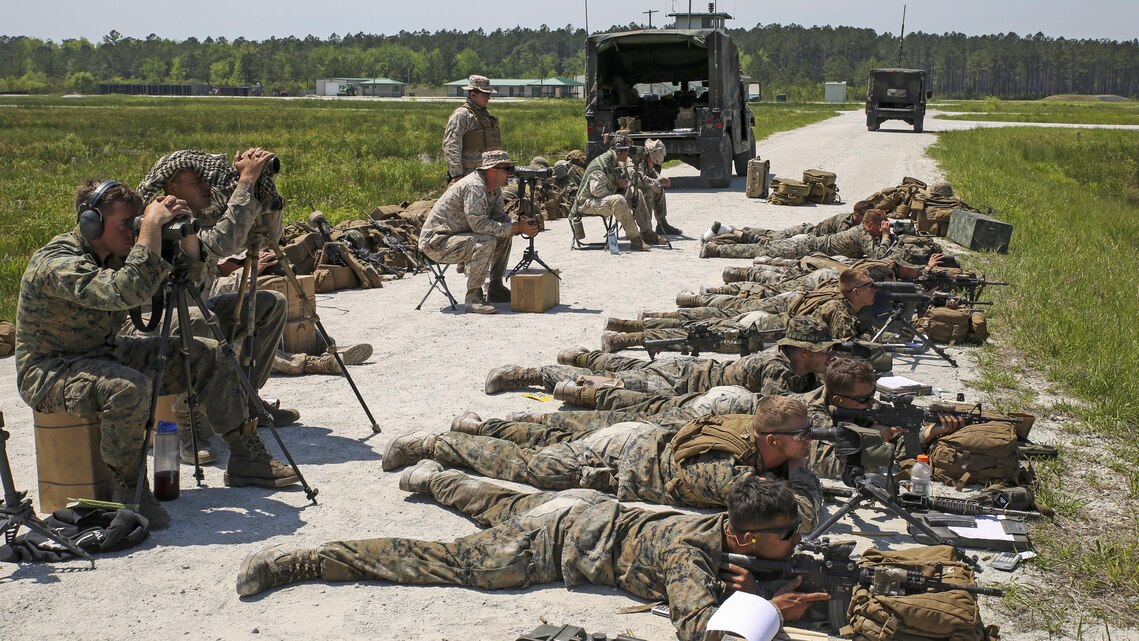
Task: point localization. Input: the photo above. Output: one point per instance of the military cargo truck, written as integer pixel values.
(897, 94)
(681, 86)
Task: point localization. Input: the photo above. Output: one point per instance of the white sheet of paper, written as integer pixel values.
(747, 615)
(988, 529)
(891, 383)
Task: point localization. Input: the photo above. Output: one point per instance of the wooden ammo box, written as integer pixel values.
(975, 230)
(68, 462)
(297, 309)
(534, 291)
(758, 178)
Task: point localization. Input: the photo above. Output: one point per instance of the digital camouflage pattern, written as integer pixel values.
(852, 243)
(462, 159)
(651, 554)
(840, 317)
(469, 225)
(70, 358)
(599, 196)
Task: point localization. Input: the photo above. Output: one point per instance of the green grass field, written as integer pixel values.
(1073, 198)
(343, 157)
(1084, 112)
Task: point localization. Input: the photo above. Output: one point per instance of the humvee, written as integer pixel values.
(896, 94)
(682, 86)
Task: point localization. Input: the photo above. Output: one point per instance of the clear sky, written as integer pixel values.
(261, 19)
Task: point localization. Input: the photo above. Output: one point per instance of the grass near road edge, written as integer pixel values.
(1068, 112)
(343, 157)
(1072, 197)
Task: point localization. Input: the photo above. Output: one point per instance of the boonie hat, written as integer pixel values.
(478, 83)
(912, 256)
(808, 333)
(492, 159)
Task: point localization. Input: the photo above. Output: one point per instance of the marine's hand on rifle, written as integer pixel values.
(793, 605)
(889, 431)
(738, 578)
(934, 261)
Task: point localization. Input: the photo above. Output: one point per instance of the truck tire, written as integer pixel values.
(872, 126)
(744, 157)
(725, 164)
(919, 125)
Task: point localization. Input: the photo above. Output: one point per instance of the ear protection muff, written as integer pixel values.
(90, 218)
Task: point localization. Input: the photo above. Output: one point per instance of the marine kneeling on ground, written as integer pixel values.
(469, 225)
(576, 536)
(640, 461)
(74, 298)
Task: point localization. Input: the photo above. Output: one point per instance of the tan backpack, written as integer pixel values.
(954, 326)
(951, 615)
(821, 187)
(809, 302)
(731, 433)
(785, 191)
(980, 453)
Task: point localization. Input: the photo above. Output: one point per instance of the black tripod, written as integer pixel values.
(175, 291)
(898, 317)
(17, 510)
(526, 186)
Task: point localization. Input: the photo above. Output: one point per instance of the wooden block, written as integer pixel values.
(300, 337)
(534, 291)
(758, 178)
(68, 462)
(977, 231)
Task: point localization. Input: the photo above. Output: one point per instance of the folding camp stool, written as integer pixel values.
(438, 280)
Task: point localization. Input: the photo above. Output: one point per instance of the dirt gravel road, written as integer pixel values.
(428, 366)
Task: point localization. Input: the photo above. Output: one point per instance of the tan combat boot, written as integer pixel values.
(512, 377)
(123, 488)
(650, 238)
(617, 341)
(687, 299)
(467, 423)
(496, 292)
(326, 362)
(571, 392)
(417, 479)
(408, 449)
(569, 356)
(638, 245)
(622, 325)
(274, 567)
(735, 274)
(475, 303)
(251, 464)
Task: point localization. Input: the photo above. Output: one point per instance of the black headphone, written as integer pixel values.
(90, 218)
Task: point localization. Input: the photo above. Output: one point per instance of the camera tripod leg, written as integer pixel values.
(250, 392)
(158, 368)
(191, 395)
(887, 502)
(310, 306)
(17, 510)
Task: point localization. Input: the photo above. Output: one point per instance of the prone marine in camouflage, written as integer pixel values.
(470, 130)
(864, 241)
(657, 556)
(752, 235)
(641, 461)
(786, 368)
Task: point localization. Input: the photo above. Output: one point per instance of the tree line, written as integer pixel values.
(781, 58)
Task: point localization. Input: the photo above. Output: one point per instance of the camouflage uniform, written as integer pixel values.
(853, 243)
(840, 317)
(768, 372)
(598, 195)
(576, 536)
(70, 358)
(467, 123)
(753, 235)
(632, 459)
(617, 405)
(731, 305)
(468, 225)
(770, 323)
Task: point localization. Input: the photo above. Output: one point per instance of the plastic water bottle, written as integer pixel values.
(166, 461)
(919, 476)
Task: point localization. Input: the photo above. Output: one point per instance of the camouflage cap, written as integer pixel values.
(492, 159)
(577, 157)
(539, 161)
(941, 188)
(808, 333)
(656, 150)
(912, 256)
(478, 83)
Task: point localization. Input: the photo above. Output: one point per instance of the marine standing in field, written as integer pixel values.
(470, 131)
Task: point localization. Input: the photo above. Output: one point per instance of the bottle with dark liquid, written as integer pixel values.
(166, 461)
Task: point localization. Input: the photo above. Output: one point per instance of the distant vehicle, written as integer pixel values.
(896, 94)
(701, 114)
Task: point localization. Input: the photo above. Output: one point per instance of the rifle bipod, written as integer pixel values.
(897, 317)
(310, 307)
(176, 288)
(17, 511)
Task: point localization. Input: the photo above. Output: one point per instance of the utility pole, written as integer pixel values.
(587, 17)
(651, 12)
